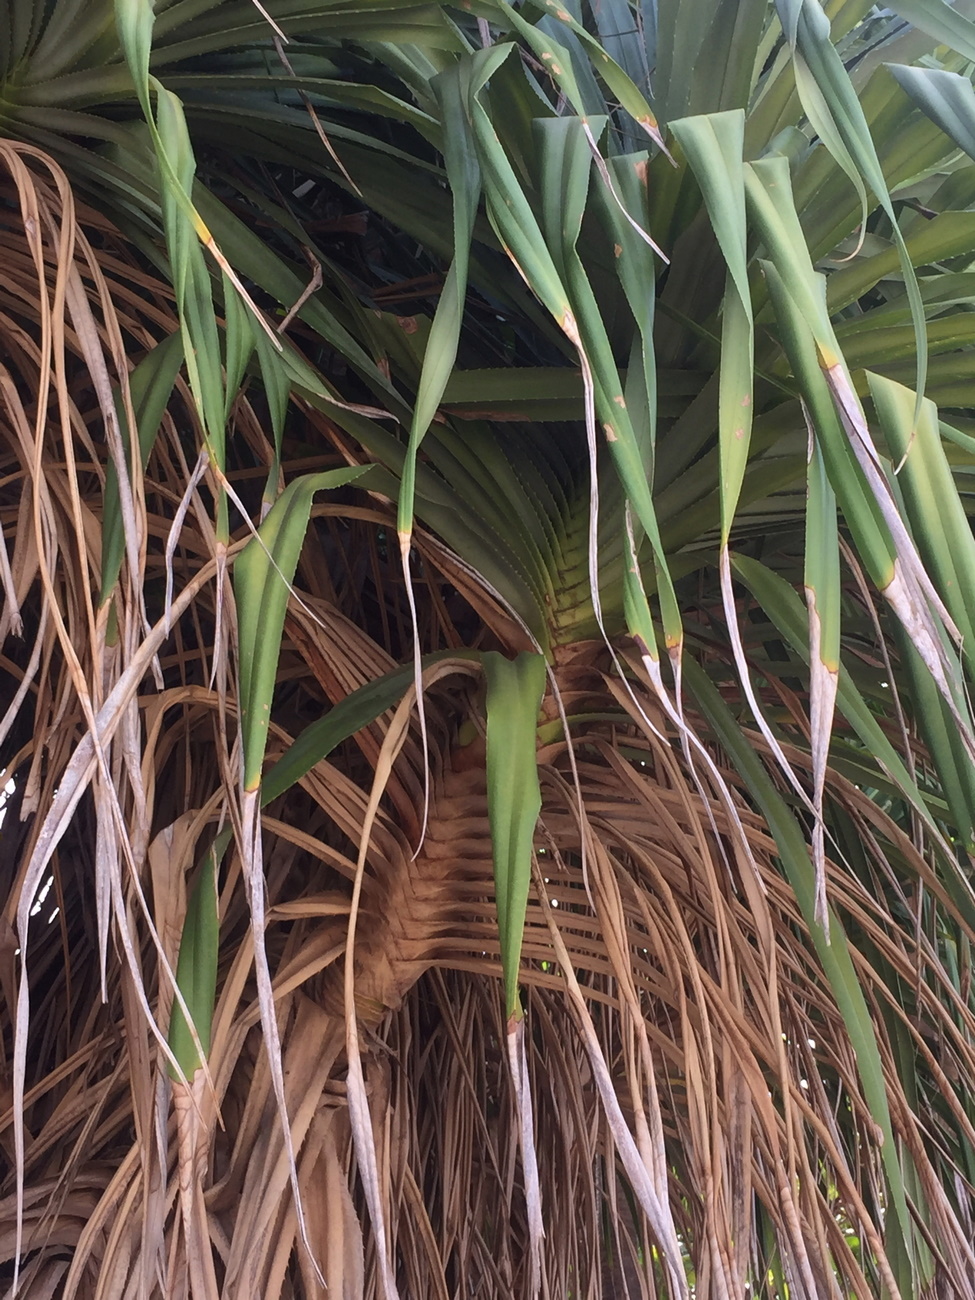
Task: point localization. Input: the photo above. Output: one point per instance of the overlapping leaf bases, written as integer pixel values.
(358, 355)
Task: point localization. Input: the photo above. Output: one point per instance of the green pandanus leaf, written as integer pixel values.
(714, 147)
(514, 696)
(623, 201)
(836, 114)
(937, 516)
(823, 602)
(134, 21)
(263, 574)
(557, 62)
(464, 176)
(187, 235)
(196, 971)
(946, 751)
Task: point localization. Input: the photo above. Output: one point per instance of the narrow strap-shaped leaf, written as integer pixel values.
(186, 234)
(510, 210)
(514, 696)
(134, 21)
(939, 524)
(708, 56)
(821, 579)
(196, 971)
(622, 88)
(263, 573)
(833, 108)
(714, 146)
(344, 719)
(946, 752)
(238, 342)
(464, 177)
(552, 55)
(796, 335)
(941, 21)
(191, 279)
(277, 390)
(624, 209)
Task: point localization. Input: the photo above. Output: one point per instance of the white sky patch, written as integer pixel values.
(5, 794)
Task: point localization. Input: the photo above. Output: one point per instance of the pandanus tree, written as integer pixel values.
(488, 595)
